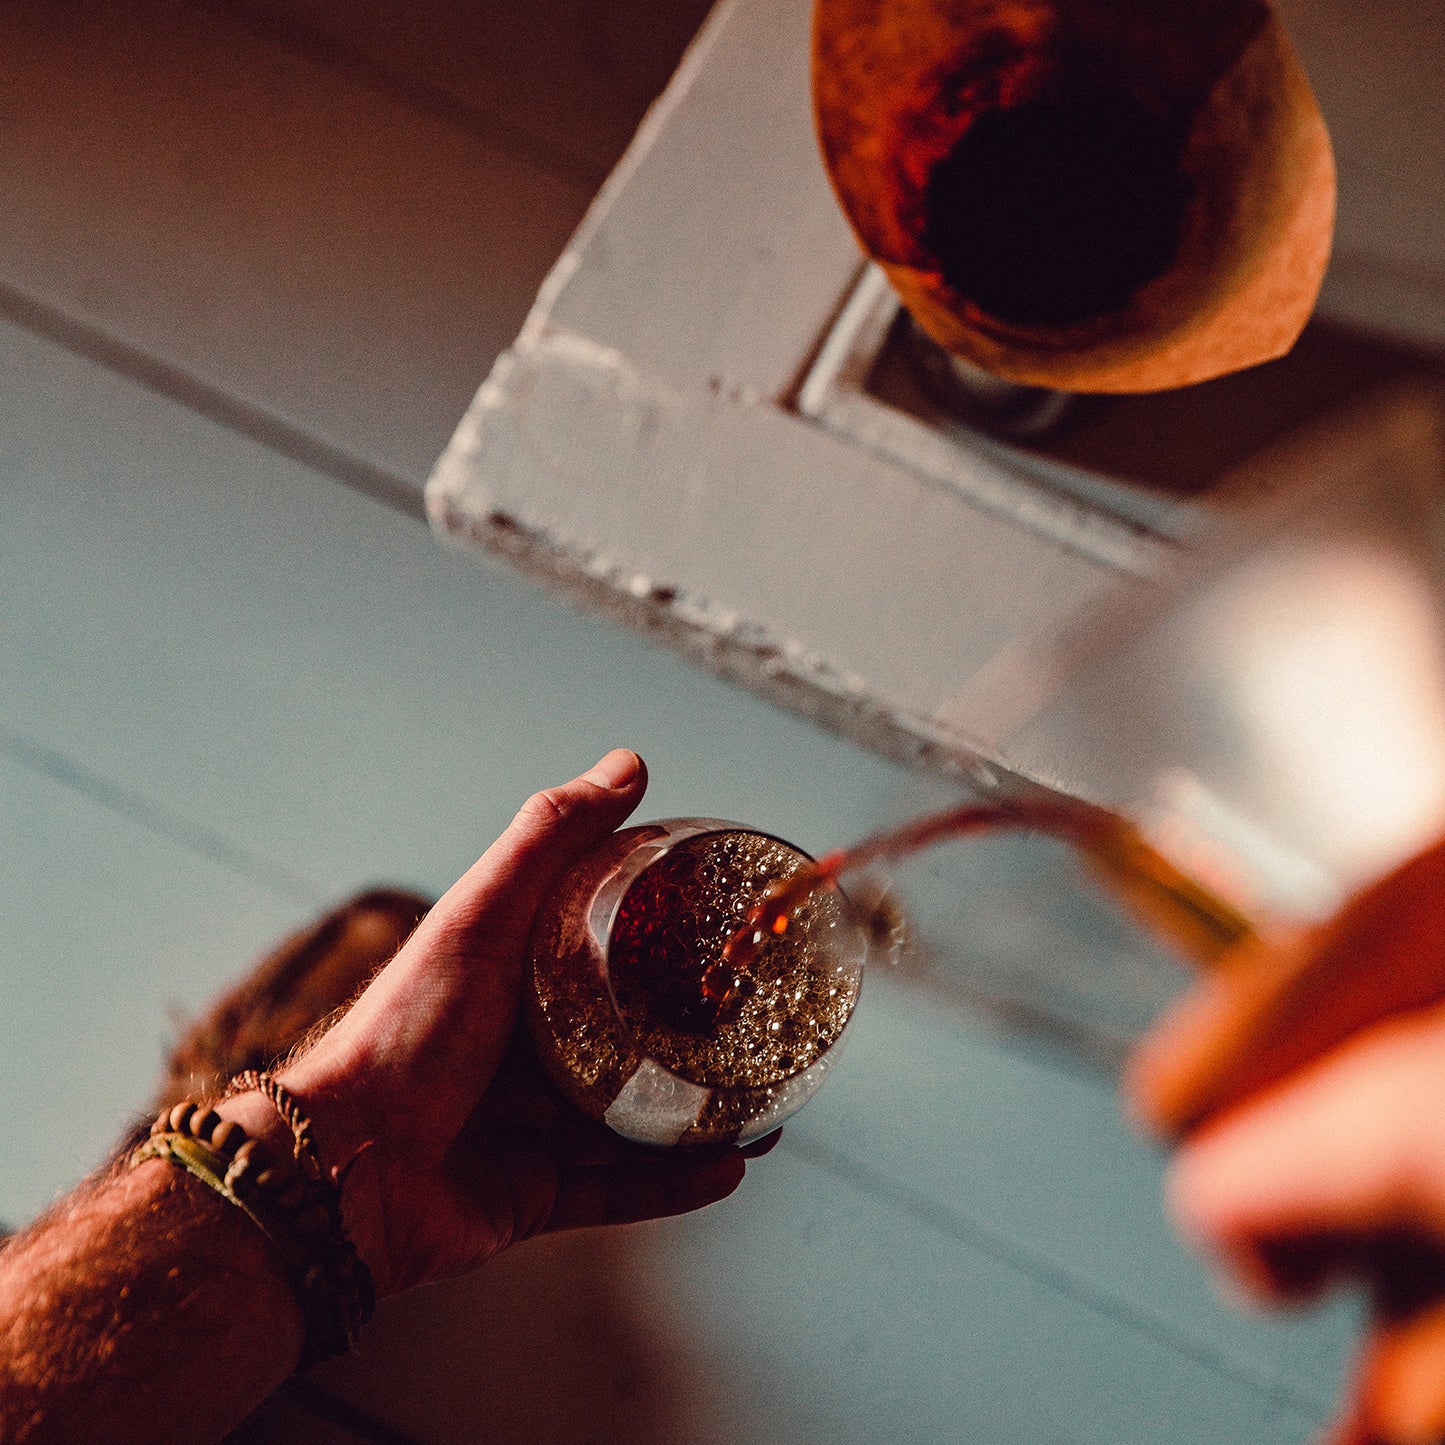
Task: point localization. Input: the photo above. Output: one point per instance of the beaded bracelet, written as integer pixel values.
(301, 1216)
(286, 1104)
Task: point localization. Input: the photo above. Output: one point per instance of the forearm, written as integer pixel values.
(143, 1307)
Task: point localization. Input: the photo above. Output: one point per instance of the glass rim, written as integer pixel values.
(692, 828)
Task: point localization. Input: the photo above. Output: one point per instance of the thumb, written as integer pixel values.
(447, 1001)
(493, 903)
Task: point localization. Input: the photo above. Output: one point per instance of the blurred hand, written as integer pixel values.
(1339, 1172)
(460, 1147)
(1307, 1084)
(1277, 1005)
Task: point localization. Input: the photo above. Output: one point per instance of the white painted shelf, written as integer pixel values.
(684, 433)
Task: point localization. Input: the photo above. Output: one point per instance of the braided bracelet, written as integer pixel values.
(286, 1104)
(300, 1216)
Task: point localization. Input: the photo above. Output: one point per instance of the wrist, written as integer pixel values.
(340, 1144)
(141, 1307)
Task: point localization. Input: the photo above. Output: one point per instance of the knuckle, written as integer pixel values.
(546, 810)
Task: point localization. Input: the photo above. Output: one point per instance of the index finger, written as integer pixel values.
(1349, 1146)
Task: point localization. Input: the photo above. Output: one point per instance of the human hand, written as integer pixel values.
(1279, 1003)
(1304, 1080)
(1339, 1173)
(460, 1147)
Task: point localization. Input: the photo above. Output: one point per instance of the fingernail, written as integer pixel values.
(620, 767)
(762, 1146)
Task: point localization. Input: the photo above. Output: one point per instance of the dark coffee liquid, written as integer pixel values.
(771, 918)
(1059, 210)
(682, 1001)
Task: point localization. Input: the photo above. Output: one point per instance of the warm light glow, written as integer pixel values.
(1230, 854)
(1340, 693)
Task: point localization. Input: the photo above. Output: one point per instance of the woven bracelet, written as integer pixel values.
(300, 1216)
(286, 1104)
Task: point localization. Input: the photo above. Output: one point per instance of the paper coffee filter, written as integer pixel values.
(898, 84)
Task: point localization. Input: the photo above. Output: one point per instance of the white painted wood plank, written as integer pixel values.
(1031, 1160)
(639, 444)
(305, 673)
(716, 255)
(562, 82)
(259, 220)
(927, 1341)
(756, 538)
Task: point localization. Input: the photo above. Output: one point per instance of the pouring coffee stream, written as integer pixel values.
(692, 977)
(1180, 910)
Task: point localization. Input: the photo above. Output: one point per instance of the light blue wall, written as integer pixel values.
(232, 690)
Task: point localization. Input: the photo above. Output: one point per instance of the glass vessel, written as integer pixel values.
(643, 1023)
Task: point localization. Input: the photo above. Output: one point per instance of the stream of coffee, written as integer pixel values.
(730, 978)
(1177, 908)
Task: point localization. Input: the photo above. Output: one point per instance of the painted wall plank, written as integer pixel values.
(800, 1309)
(108, 929)
(305, 673)
(562, 82)
(1031, 1159)
(260, 220)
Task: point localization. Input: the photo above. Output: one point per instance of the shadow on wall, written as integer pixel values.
(556, 1341)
